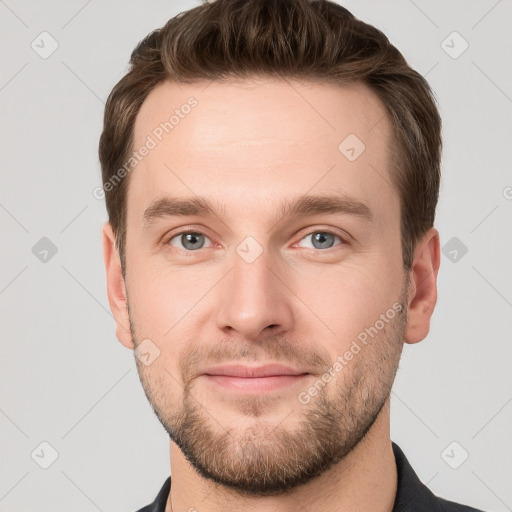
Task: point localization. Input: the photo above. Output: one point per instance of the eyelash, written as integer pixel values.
(343, 241)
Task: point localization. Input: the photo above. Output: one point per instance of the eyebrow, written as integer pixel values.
(303, 206)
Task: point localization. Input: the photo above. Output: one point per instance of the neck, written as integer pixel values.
(365, 480)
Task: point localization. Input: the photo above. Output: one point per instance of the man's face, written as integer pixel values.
(254, 285)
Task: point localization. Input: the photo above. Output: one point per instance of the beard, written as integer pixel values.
(260, 457)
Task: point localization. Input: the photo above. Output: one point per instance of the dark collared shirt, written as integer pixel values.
(411, 494)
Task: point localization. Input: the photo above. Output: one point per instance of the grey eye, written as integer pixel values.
(322, 239)
(190, 241)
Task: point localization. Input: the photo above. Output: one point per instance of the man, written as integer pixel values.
(271, 171)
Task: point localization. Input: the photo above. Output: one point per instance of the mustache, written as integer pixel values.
(275, 350)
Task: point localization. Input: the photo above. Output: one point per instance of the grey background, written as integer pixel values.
(67, 381)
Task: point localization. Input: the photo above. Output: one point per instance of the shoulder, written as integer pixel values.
(450, 506)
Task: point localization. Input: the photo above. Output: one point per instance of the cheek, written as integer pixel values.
(165, 302)
(345, 300)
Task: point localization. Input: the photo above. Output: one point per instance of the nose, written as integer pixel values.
(254, 299)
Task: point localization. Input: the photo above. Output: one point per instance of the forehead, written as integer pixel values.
(248, 141)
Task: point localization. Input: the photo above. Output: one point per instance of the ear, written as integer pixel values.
(116, 288)
(422, 296)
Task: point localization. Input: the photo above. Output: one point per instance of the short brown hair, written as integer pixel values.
(303, 39)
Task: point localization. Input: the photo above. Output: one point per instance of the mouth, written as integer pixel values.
(260, 379)
(255, 384)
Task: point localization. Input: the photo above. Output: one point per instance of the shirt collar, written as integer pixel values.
(411, 493)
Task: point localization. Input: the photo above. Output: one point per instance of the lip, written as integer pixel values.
(248, 372)
(261, 379)
(250, 385)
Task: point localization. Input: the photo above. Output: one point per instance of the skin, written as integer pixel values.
(250, 144)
